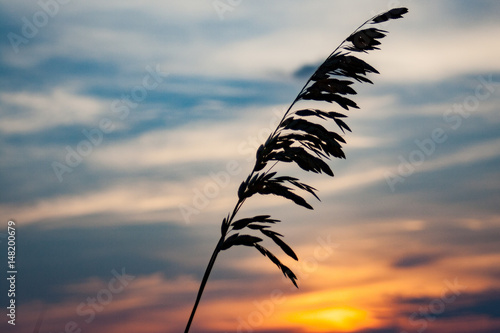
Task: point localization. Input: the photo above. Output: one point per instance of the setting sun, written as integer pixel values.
(344, 319)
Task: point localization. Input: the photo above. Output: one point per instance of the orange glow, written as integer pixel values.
(344, 319)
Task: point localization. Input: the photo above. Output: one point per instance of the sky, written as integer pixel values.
(126, 128)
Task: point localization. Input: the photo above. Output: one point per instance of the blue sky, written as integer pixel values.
(126, 128)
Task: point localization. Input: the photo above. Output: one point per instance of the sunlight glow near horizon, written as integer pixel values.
(342, 319)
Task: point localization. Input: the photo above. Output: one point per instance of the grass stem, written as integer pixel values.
(204, 281)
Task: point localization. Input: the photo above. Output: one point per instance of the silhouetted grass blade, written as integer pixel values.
(313, 129)
(285, 192)
(304, 160)
(224, 226)
(317, 93)
(394, 13)
(242, 223)
(237, 239)
(342, 125)
(302, 186)
(365, 40)
(303, 142)
(286, 271)
(255, 226)
(276, 238)
(251, 186)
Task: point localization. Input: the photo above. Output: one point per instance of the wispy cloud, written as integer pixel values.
(31, 112)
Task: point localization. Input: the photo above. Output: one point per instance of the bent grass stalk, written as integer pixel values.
(301, 141)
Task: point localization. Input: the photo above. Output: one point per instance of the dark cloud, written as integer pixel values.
(414, 261)
(381, 330)
(241, 328)
(486, 303)
(466, 12)
(52, 258)
(455, 304)
(305, 71)
(447, 90)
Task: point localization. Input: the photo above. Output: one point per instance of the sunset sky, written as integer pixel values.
(126, 128)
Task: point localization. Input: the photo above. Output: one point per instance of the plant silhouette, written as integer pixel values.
(299, 140)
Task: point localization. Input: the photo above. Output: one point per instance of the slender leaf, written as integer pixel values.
(275, 237)
(302, 186)
(225, 225)
(305, 160)
(394, 13)
(342, 125)
(280, 190)
(242, 223)
(237, 239)
(365, 40)
(286, 271)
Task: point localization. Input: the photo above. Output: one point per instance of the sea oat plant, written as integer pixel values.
(300, 140)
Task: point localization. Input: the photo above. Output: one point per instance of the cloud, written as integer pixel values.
(31, 112)
(460, 305)
(381, 330)
(88, 254)
(167, 37)
(486, 303)
(188, 144)
(414, 260)
(434, 61)
(112, 200)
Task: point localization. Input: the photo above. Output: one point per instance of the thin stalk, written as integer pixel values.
(204, 281)
(210, 266)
